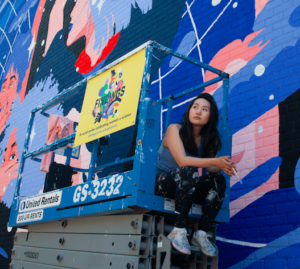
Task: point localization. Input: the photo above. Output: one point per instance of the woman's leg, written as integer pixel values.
(186, 184)
(212, 192)
(186, 191)
(180, 183)
(165, 185)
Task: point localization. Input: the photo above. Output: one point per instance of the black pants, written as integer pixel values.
(185, 185)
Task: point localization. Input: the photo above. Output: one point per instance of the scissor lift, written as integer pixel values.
(116, 221)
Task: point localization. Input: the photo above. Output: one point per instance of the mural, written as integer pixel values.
(48, 46)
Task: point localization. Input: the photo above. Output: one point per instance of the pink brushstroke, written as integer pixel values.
(34, 32)
(259, 5)
(260, 140)
(55, 22)
(232, 58)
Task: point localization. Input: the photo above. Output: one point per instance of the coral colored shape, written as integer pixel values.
(84, 60)
(10, 164)
(256, 178)
(236, 158)
(34, 32)
(8, 95)
(259, 5)
(267, 142)
(80, 18)
(236, 50)
(55, 22)
(37, 19)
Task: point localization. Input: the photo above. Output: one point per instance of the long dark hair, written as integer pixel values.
(209, 133)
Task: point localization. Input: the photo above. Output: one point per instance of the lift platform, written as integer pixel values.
(116, 220)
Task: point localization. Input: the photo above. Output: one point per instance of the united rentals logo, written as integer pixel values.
(23, 205)
(41, 201)
(109, 97)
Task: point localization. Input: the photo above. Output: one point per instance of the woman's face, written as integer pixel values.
(200, 112)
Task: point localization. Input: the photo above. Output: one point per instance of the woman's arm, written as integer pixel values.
(213, 169)
(173, 141)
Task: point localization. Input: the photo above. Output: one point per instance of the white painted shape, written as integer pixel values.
(235, 5)
(32, 44)
(271, 97)
(215, 2)
(241, 243)
(43, 42)
(260, 129)
(9, 228)
(196, 34)
(32, 135)
(259, 70)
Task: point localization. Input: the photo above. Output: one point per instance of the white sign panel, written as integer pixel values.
(40, 201)
(31, 216)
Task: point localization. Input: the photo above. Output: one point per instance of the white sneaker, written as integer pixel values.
(179, 241)
(201, 240)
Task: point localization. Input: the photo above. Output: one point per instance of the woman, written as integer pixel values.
(186, 147)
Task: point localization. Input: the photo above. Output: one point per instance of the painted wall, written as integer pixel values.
(48, 46)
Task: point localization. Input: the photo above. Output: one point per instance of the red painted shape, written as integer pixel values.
(84, 60)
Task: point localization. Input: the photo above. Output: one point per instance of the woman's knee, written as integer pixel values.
(185, 173)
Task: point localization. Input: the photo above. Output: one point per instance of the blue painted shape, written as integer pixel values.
(294, 19)
(184, 47)
(224, 30)
(70, 27)
(3, 253)
(281, 76)
(277, 254)
(255, 178)
(250, 226)
(9, 22)
(297, 176)
(7, 197)
(101, 91)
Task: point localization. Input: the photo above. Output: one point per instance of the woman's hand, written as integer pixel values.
(225, 164)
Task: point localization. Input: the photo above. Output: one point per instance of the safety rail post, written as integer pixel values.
(91, 175)
(225, 99)
(146, 73)
(169, 113)
(142, 114)
(22, 162)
